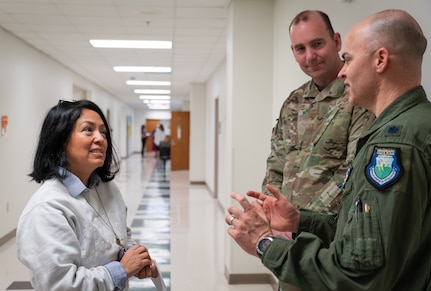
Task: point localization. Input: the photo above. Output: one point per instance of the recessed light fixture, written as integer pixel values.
(159, 106)
(152, 91)
(148, 83)
(155, 97)
(157, 101)
(138, 69)
(141, 44)
(153, 105)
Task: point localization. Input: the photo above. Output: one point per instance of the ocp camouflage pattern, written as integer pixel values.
(312, 143)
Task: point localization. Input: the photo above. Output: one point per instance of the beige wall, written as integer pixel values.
(31, 83)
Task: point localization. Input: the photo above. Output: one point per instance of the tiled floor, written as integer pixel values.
(180, 223)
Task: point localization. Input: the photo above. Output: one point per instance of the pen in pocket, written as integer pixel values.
(359, 205)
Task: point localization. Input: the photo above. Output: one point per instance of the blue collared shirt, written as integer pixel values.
(75, 187)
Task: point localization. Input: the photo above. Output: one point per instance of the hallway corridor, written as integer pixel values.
(181, 224)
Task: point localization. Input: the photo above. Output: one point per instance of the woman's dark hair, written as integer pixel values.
(55, 134)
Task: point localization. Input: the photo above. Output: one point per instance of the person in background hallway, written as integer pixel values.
(380, 239)
(144, 136)
(316, 132)
(158, 137)
(165, 150)
(72, 234)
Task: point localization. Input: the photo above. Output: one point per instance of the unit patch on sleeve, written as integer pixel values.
(384, 168)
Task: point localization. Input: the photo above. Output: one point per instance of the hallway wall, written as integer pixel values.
(343, 14)
(30, 84)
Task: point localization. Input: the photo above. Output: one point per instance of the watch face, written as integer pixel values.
(263, 245)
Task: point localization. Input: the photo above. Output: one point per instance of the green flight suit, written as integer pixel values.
(384, 242)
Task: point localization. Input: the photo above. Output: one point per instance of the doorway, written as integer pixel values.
(216, 141)
(180, 140)
(150, 125)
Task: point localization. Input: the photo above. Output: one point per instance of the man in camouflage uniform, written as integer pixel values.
(317, 130)
(316, 133)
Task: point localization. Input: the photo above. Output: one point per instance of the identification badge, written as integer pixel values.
(385, 167)
(346, 176)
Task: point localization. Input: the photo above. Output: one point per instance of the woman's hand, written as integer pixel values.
(135, 260)
(148, 271)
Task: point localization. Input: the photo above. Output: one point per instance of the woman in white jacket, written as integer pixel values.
(72, 234)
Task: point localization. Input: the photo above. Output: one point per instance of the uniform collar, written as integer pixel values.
(334, 89)
(403, 103)
(74, 185)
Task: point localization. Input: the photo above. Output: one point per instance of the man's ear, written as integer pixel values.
(382, 59)
(337, 39)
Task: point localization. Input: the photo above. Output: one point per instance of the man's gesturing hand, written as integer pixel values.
(281, 214)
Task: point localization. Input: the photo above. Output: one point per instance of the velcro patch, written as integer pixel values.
(384, 168)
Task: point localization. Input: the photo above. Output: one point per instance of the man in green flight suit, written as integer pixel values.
(380, 239)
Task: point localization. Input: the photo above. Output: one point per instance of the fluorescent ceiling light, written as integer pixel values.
(152, 91)
(145, 44)
(156, 101)
(155, 97)
(159, 106)
(134, 69)
(148, 83)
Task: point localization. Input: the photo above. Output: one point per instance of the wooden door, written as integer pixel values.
(180, 136)
(150, 125)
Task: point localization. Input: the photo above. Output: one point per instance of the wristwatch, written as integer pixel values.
(263, 244)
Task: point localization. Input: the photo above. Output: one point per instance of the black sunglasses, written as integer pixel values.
(65, 103)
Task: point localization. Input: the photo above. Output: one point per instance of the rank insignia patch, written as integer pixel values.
(384, 168)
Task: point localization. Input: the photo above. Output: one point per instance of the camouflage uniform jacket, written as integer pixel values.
(314, 139)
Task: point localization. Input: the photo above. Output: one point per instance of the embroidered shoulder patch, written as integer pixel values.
(384, 168)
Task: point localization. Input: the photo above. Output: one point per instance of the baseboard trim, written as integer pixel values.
(197, 183)
(4, 239)
(203, 183)
(259, 278)
(248, 279)
(274, 282)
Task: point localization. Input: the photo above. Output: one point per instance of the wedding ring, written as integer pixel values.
(232, 217)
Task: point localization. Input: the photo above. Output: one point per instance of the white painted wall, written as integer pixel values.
(248, 103)
(30, 84)
(216, 88)
(197, 140)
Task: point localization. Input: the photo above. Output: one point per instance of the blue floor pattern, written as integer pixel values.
(152, 224)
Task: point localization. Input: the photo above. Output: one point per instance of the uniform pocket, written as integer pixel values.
(363, 248)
